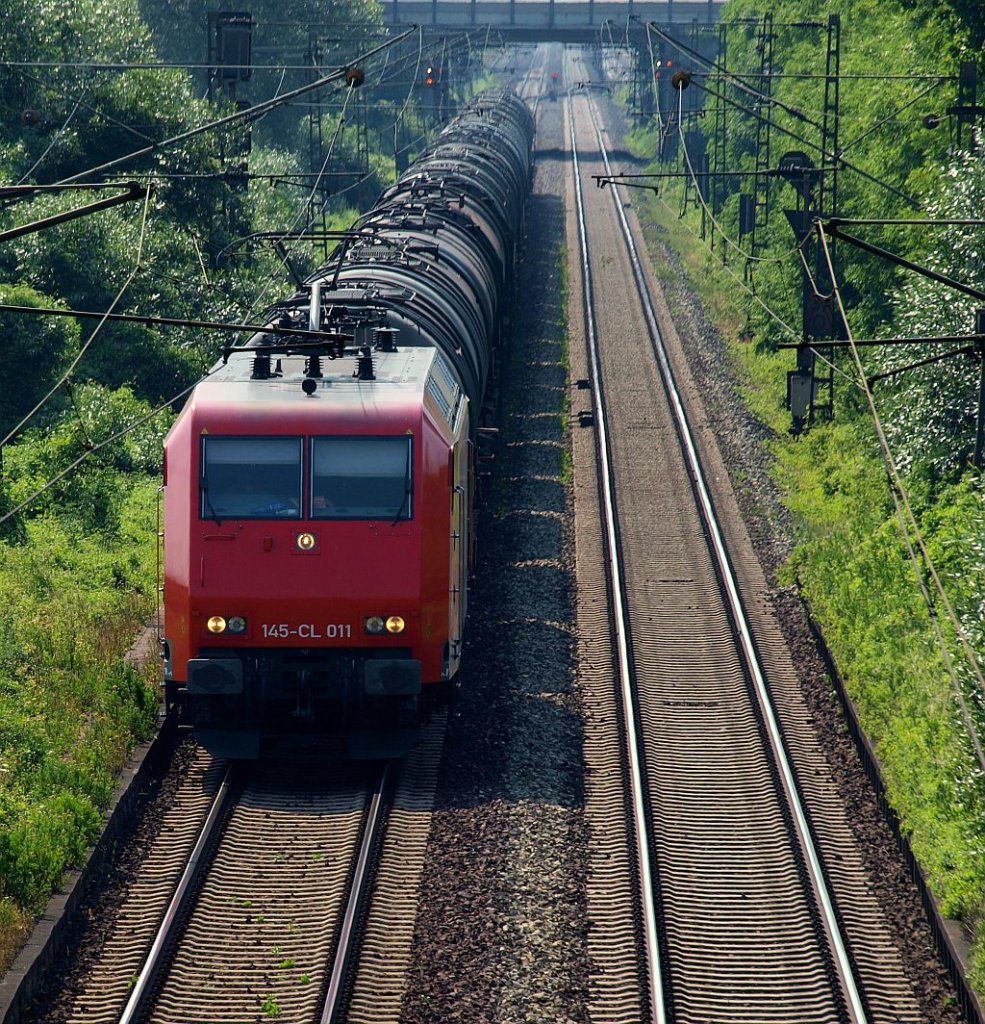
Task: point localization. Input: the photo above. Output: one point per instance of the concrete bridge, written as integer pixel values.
(549, 20)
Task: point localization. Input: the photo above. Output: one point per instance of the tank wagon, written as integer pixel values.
(319, 494)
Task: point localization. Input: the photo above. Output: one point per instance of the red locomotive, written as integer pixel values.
(318, 492)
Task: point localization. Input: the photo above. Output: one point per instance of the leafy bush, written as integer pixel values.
(853, 566)
(931, 410)
(92, 496)
(69, 708)
(40, 348)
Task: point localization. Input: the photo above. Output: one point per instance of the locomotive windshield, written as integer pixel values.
(361, 478)
(251, 478)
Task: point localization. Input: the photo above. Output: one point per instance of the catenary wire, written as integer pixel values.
(752, 294)
(701, 199)
(248, 114)
(58, 134)
(792, 332)
(85, 106)
(94, 448)
(307, 203)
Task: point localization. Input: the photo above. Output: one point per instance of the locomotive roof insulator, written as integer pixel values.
(364, 365)
(314, 307)
(261, 366)
(312, 366)
(385, 339)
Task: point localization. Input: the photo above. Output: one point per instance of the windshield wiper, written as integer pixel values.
(408, 487)
(208, 501)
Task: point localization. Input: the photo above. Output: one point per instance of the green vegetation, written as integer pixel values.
(69, 708)
(858, 560)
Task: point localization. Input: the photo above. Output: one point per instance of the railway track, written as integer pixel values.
(271, 894)
(264, 916)
(752, 901)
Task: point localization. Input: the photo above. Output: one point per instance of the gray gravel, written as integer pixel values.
(501, 929)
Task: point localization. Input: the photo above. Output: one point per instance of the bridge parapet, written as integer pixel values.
(543, 16)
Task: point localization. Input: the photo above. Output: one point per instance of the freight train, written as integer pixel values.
(319, 485)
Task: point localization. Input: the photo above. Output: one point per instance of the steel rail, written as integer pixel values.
(620, 614)
(136, 1005)
(842, 961)
(362, 877)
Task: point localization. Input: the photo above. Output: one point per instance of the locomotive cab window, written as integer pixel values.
(251, 478)
(361, 478)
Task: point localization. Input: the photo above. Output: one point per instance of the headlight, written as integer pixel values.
(378, 624)
(220, 624)
(306, 541)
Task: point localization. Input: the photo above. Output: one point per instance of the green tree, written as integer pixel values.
(932, 410)
(37, 348)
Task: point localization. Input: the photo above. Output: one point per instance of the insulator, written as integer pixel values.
(385, 339)
(364, 365)
(261, 366)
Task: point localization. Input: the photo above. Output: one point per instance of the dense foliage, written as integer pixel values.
(914, 672)
(890, 65)
(932, 410)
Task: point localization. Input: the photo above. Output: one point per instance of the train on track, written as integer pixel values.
(319, 483)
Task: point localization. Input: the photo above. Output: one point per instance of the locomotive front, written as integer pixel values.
(308, 556)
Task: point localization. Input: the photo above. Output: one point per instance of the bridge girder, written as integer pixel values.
(569, 21)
